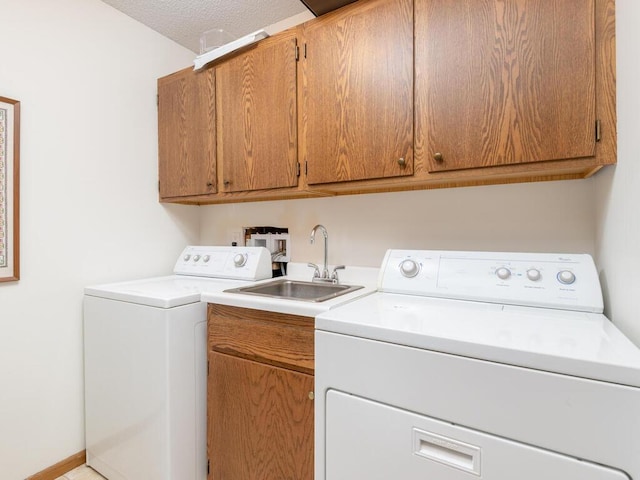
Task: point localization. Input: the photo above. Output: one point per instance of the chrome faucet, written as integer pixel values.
(324, 275)
(325, 270)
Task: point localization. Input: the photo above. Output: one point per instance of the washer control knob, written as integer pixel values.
(533, 274)
(409, 268)
(566, 277)
(186, 257)
(206, 258)
(503, 273)
(196, 258)
(240, 260)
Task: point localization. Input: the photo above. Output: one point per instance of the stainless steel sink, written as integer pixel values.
(297, 290)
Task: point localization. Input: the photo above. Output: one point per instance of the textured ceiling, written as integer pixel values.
(184, 21)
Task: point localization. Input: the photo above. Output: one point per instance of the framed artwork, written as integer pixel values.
(9, 190)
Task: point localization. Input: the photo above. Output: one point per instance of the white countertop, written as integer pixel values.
(365, 276)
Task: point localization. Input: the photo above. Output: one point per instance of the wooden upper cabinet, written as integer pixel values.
(390, 95)
(257, 117)
(186, 133)
(504, 82)
(357, 93)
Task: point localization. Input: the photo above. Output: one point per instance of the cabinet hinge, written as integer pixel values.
(158, 185)
(157, 100)
(305, 50)
(207, 367)
(297, 169)
(306, 167)
(297, 53)
(208, 467)
(598, 131)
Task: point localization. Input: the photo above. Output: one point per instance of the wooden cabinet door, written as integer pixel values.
(502, 82)
(357, 98)
(257, 117)
(186, 133)
(260, 421)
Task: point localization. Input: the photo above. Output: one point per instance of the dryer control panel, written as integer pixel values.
(564, 281)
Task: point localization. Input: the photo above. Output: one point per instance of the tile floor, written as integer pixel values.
(81, 473)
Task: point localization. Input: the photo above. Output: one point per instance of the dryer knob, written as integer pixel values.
(566, 277)
(240, 260)
(409, 268)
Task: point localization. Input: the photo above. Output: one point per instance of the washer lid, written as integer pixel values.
(581, 344)
(162, 292)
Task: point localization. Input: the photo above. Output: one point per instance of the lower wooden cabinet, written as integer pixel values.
(260, 421)
(260, 395)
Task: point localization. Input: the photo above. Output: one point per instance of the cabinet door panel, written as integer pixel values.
(260, 421)
(186, 132)
(257, 117)
(504, 82)
(357, 118)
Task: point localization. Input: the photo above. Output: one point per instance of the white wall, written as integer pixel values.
(618, 189)
(86, 78)
(550, 216)
(90, 212)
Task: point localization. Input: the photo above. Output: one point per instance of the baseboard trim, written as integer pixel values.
(60, 468)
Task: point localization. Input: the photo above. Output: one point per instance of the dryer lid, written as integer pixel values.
(581, 344)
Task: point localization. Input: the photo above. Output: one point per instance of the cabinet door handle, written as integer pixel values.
(402, 162)
(227, 183)
(438, 157)
(209, 184)
(311, 396)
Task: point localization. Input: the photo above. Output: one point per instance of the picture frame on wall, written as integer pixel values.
(9, 190)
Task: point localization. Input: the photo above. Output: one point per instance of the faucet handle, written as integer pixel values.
(334, 274)
(316, 268)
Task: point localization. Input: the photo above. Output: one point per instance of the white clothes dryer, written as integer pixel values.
(469, 365)
(146, 365)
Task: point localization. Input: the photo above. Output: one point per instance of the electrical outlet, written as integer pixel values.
(236, 236)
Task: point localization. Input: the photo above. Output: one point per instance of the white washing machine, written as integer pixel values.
(146, 365)
(470, 365)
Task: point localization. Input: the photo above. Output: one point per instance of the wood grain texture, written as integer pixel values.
(482, 173)
(252, 196)
(61, 467)
(273, 338)
(186, 133)
(357, 93)
(504, 81)
(606, 148)
(257, 117)
(260, 421)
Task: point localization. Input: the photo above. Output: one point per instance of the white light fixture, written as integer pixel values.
(204, 58)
